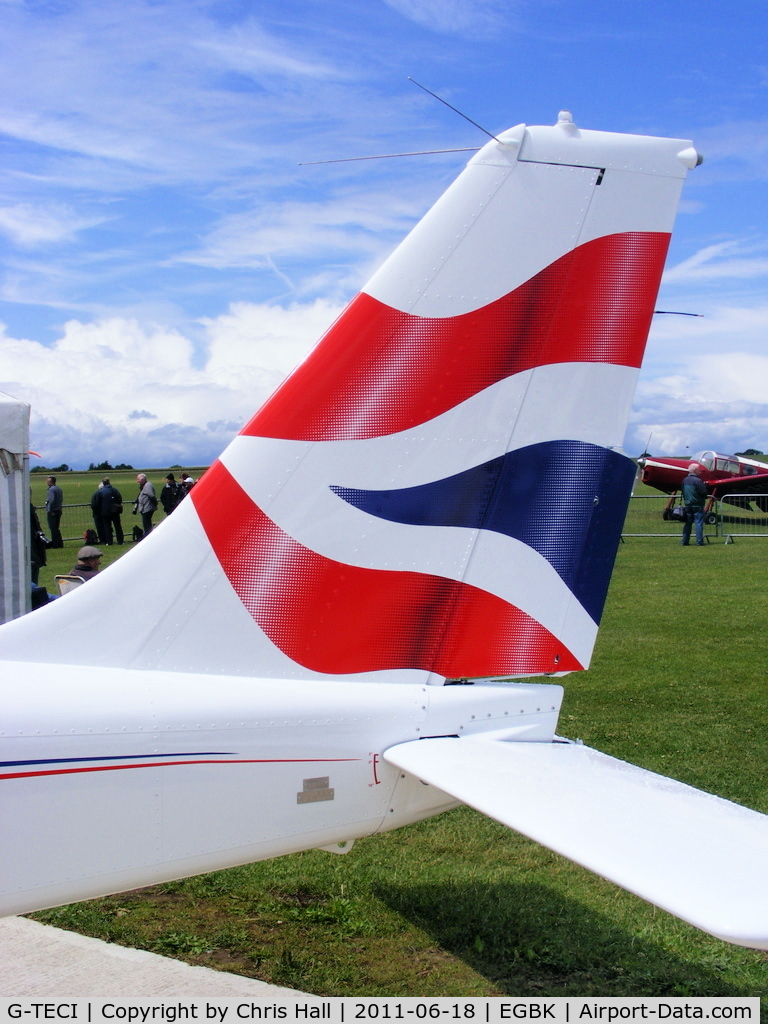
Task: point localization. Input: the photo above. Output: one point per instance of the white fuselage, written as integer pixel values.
(138, 777)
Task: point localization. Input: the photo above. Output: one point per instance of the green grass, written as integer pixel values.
(460, 905)
(77, 488)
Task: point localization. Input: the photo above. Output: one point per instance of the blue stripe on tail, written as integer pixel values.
(565, 499)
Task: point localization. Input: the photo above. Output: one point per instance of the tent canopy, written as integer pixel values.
(15, 590)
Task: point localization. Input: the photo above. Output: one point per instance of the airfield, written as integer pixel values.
(460, 905)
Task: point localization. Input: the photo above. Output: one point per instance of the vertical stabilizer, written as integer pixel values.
(438, 490)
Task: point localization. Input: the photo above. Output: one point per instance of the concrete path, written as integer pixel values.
(37, 960)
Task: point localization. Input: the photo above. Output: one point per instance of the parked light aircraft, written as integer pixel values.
(434, 497)
(724, 475)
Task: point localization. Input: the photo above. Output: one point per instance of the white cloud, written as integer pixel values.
(729, 259)
(717, 401)
(363, 226)
(253, 52)
(30, 225)
(734, 377)
(704, 381)
(721, 328)
(735, 149)
(264, 341)
(175, 130)
(167, 92)
(473, 17)
(126, 392)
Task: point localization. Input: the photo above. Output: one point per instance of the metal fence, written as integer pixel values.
(740, 516)
(645, 518)
(76, 519)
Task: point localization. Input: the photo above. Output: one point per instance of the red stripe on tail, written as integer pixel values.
(336, 618)
(379, 370)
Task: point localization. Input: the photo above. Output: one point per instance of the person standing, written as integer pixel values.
(694, 492)
(54, 506)
(37, 545)
(146, 503)
(98, 516)
(169, 495)
(110, 502)
(186, 485)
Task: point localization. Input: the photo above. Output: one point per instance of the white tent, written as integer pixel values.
(15, 591)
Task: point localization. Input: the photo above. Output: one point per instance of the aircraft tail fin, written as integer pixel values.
(438, 490)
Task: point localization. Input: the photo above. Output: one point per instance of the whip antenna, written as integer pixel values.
(455, 110)
(385, 156)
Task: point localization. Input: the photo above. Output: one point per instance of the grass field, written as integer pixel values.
(77, 488)
(462, 906)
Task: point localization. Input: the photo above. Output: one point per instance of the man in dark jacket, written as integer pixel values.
(169, 495)
(54, 504)
(37, 545)
(107, 507)
(694, 492)
(98, 518)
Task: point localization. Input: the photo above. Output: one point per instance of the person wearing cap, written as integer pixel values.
(185, 486)
(87, 563)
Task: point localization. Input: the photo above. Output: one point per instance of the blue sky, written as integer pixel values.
(166, 258)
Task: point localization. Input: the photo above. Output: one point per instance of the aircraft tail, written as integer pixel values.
(438, 490)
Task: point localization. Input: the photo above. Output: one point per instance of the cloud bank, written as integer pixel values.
(170, 248)
(121, 391)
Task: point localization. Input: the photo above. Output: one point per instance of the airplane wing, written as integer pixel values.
(699, 856)
(756, 483)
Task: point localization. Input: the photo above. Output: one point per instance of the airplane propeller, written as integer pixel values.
(640, 461)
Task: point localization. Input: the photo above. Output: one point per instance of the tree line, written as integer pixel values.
(102, 467)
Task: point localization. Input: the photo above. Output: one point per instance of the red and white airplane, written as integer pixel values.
(724, 475)
(331, 637)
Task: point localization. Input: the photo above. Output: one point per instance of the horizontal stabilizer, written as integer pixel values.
(698, 856)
